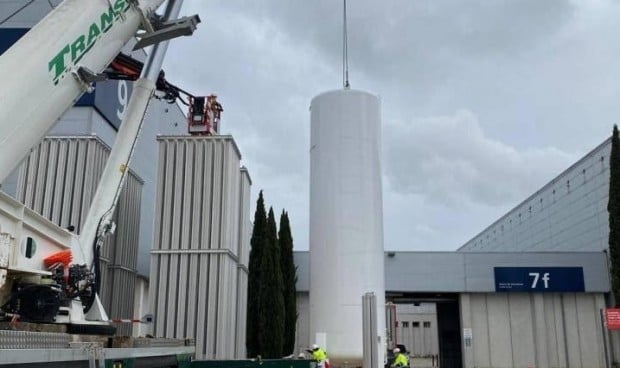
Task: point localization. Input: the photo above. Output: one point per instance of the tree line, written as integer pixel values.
(272, 308)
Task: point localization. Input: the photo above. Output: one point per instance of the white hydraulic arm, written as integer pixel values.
(39, 74)
(98, 223)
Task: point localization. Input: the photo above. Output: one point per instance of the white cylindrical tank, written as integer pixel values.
(346, 221)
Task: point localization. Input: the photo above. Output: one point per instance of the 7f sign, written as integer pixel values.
(536, 275)
(539, 279)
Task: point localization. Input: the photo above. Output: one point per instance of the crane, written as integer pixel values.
(42, 76)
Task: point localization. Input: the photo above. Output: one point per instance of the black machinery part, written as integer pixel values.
(34, 302)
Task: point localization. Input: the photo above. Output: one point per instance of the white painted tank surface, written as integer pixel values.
(346, 221)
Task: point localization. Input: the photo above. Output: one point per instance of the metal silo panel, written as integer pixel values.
(192, 296)
(75, 217)
(178, 204)
(199, 194)
(245, 225)
(171, 294)
(223, 308)
(228, 207)
(241, 321)
(170, 315)
(128, 223)
(188, 191)
(167, 218)
(50, 178)
(182, 295)
(206, 194)
(71, 185)
(194, 263)
(202, 290)
(59, 193)
(232, 203)
(211, 317)
(214, 241)
(229, 287)
(159, 284)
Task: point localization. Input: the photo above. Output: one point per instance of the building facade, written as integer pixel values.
(481, 323)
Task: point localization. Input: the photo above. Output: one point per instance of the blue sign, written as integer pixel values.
(540, 279)
(110, 98)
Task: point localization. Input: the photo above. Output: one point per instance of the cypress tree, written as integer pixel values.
(258, 245)
(271, 301)
(289, 276)
(613, 207)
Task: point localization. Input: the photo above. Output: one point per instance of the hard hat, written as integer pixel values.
(315, 346)
(396, 350)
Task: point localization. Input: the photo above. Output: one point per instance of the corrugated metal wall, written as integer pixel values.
(197, 267)
(58, 180)
(533, 329)
(245, 233)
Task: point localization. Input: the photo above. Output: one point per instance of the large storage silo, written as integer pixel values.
(346, 221)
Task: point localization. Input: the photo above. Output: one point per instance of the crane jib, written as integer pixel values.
(72, 52)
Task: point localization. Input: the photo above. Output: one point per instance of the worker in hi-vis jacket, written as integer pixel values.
(320, 356)
(400, 360)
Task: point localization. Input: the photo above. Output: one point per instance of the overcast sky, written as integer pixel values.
(483, 102)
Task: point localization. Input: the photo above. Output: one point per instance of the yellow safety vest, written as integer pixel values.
(400, 361)
(319, 355)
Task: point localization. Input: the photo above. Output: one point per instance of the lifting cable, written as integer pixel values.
(345, 49)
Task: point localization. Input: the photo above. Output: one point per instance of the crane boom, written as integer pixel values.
(42, 76)
(37, 74)
(99, 218)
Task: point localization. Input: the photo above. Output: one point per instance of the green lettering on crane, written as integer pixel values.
(93, 33)
(119, 5)
(58, 66)
(107, 19)
(78, 47)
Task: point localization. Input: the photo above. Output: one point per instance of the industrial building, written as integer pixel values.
(528, 291)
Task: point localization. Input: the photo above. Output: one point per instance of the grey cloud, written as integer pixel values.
(414, 223)
(451, 161)
(537, 75)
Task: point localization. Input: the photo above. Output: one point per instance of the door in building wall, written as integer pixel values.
(449, 331)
